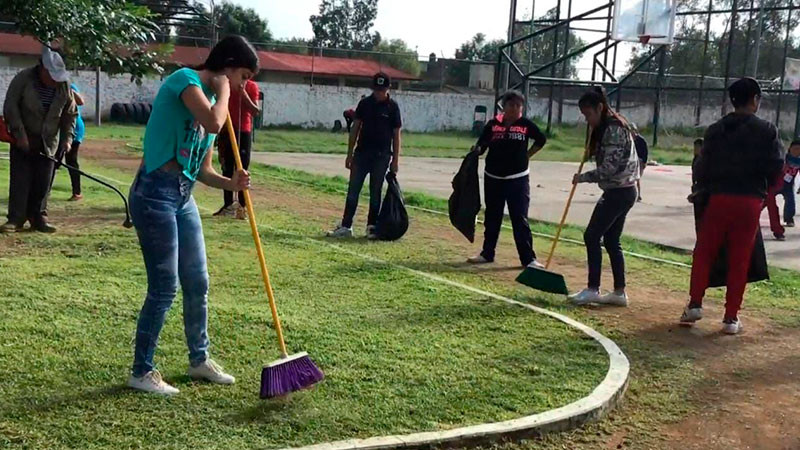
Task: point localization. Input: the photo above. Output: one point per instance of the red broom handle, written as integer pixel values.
(257, 239)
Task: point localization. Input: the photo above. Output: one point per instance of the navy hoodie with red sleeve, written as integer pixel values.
(742, 155)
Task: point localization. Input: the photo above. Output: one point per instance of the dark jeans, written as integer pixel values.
(228, 163)
(607, 222)
(517, 194)
(788, 201)
(31, 175)
(71, 158)
(366, 163)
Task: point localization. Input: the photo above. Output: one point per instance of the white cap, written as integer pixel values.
(54, 64)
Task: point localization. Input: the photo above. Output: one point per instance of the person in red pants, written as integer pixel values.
(741, 158)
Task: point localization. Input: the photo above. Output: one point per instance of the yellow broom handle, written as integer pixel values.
(566, 208)
(257, 239)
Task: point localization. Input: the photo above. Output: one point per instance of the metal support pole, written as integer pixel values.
(531, 30)
(747, 39)
(608, 33)
(797, 118)
(731, 28)
(553, 71)
(564, 66)
(783, 69)
(97, 110)
(512, 18)
(659, 84)
(760, 27)
(699, 109)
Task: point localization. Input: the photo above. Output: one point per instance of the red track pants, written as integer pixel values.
(730, 220)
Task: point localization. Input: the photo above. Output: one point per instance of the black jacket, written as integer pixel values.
(742, 155)
(465, 202)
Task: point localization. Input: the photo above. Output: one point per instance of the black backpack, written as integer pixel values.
(393, 218)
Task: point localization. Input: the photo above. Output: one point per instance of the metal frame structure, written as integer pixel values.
(513, 76)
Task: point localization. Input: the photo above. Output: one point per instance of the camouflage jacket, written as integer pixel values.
(617, 162)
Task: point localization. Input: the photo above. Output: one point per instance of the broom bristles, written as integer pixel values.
(288, 375)
(543, 280)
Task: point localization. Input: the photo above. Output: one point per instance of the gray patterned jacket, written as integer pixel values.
(617, 162)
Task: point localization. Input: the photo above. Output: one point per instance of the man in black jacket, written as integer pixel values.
(742, 155)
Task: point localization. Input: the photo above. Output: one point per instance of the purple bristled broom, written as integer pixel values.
(290, 373)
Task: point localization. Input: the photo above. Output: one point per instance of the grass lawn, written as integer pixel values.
(565, 145)
(400, 353)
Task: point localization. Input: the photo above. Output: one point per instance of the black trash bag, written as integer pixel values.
(718, 276)
(393, 218)
(465, 201)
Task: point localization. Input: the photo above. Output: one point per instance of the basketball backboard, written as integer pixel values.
(646, 21)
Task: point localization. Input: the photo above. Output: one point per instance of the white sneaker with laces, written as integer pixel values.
(340, 232)
(732, 326)
(210, 371)
(535, 265)
(691, 315)
(477, 259)
(585, 296)
(372, 232)
(151, 382)
(615, 299)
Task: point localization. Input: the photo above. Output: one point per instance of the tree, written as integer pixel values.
(346, 24)
(526, 55)
(395, 53)
(230, 19)
(110, 33)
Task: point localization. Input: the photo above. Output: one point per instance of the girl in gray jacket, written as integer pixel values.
(611, 145)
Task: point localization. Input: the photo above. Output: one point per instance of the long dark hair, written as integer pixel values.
(232, 52)
(593, 98)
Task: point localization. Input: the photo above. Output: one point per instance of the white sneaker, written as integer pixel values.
(477, 259)
(340, 232)
(691, 315)
(535, 265)
(151, 382)
(372, 232)
(585, 296)
(615, 299)
(210, 371)
(732, 326)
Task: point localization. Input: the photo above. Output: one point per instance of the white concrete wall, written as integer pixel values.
(318, 106)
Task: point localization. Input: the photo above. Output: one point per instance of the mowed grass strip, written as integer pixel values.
(401, 353)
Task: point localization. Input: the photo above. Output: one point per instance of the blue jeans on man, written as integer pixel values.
(374, 164)
(171, 237)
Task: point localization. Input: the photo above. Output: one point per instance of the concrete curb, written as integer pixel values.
(592, 407)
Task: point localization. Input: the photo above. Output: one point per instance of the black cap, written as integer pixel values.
(743, 90)
(381, 81)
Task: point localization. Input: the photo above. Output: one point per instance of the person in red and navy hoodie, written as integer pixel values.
(506, 177)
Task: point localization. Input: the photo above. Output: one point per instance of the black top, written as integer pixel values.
(508, 145)
(742, 155)
(379, 120)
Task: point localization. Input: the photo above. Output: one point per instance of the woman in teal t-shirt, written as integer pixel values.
(190, 108)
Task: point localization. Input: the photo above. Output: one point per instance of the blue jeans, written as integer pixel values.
(171, 237)
(788, 202)
(366, 163)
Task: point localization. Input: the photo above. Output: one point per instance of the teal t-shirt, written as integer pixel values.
(80, 127)
(172, 131)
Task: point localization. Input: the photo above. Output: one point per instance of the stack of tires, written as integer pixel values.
(131, 112)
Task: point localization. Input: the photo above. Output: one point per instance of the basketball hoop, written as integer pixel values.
(644, 39)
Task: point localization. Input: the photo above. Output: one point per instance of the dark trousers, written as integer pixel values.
(516, 194)
(366, 163)
(31, 175)
(732, 221)
(229, 164)
(788, 201)
(607, 222)
(71, 158)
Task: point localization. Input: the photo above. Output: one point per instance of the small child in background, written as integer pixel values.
(642, 152)
(784, 185)
(790, 171)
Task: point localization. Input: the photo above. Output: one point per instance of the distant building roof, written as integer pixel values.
(270, 61)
